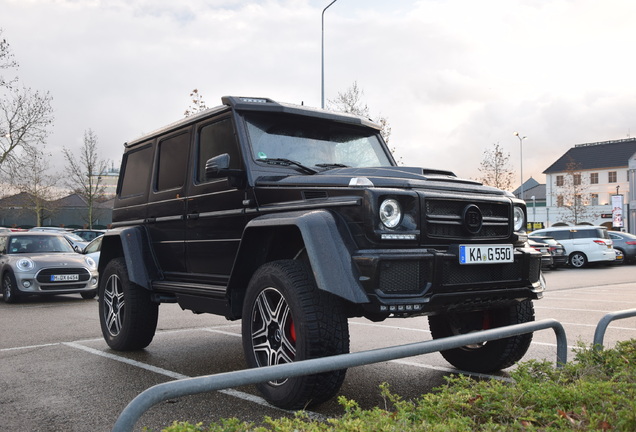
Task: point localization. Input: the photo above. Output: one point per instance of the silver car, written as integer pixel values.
(43, 263)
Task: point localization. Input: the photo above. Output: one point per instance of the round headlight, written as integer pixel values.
(25, 264)
(90, 262)
(520, 219)
(390, 213)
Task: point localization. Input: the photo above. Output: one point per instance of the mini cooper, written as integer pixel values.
(42, 263)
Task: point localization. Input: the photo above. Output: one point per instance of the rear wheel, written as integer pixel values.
(578, 259)
(286, 319)
(488, 356)
(10, 292)
(127, 315)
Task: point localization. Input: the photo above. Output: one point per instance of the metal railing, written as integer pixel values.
(208, 383)
(602, 325)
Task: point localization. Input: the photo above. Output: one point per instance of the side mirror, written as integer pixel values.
(219, 166)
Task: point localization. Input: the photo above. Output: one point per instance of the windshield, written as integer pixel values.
(313, 142)
(38, 244)
(74, 237)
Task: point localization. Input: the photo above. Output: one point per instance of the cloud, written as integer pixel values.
(452, 77)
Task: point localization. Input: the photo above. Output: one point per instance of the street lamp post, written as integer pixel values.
(521, 160)
(534, 211)
(322, 52)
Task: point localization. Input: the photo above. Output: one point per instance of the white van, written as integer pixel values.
(583, 244)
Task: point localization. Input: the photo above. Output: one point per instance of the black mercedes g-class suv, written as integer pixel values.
(294, 219)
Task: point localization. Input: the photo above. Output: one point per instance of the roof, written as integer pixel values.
(21, 199)
(24, 199)
(538, 192)
(601, 155)
(527, 185)
(259, 105)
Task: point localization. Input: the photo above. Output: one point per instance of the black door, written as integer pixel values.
(166, 203)
(215, 214)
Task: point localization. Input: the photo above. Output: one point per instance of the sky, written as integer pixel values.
(453, 77)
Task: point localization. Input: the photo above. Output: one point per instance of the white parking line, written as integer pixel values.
(212, 330)
(573, 309)
(395, 327)
(450, 370)
(29, 347)
(175, 375)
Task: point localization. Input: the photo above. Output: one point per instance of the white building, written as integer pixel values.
(592, 174)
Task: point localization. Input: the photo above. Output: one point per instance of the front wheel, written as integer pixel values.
(9, 288)
(127, 315)
(87, 295)
(286, 319)
(489, 356)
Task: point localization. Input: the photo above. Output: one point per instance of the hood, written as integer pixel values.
(62, 259)
(383, 177)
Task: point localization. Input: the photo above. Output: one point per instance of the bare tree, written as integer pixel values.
(84, 174)
(33, 179)
(25, 115)
(197, 103)
(7, 61)
(351, 101)
(495, 168)
(572, 196)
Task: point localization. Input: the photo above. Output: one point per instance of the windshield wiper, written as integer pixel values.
(288, 162)
(332, 165)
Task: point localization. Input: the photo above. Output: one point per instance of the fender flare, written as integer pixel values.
(133, 244)
(326, 242)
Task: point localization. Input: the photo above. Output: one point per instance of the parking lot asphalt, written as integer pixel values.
(57, 373)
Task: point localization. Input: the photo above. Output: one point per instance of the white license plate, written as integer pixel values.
(485, 254)
(64, 278)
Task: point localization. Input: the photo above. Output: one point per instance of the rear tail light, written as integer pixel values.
(630, 242)
(600, 242)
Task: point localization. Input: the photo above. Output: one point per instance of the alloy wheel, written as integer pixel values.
(273, 332)
(114, 304)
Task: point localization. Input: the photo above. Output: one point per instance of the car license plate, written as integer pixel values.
(485, 254)
(64, 278)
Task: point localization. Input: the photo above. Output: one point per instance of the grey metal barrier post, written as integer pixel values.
(208, 383)
(602, 325)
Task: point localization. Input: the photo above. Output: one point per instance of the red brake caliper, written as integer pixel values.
(486, 322)
(292, 331)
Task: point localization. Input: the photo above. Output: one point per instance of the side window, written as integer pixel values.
(136, 172)
(581, 234)
(173, 161)
(3, 245)
(215, 139)
(560, 235)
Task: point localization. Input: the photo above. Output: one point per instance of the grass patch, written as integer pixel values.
(595, 392)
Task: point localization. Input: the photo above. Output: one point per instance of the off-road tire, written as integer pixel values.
(490, 356)
(286, 318)
(127, 315)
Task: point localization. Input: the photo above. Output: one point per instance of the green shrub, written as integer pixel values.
(597, 391)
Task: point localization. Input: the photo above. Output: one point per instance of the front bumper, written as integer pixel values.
(429, 281)
(41, 283)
